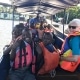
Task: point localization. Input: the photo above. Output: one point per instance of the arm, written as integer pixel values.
(38, 48)
(73, 58)
(7, 49)
(14, 47)
(13, 54)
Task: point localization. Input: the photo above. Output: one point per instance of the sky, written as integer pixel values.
(5, 1)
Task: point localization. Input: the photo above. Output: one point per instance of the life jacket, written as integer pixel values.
(66, 65)
(51, 60)
(23, 59)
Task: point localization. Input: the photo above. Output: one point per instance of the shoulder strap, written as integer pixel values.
(22, 50)
(20, 57)
(25, 54)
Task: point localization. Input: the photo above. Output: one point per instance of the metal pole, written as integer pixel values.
(13, 17)
(64, 22)
(19, 17)
(51, 19)
(67, 18)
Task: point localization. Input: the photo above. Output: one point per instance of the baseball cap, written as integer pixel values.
(75, 22)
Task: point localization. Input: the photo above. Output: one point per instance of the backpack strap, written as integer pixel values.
(20, 58)
(33, 58)
(22, 50)
(25, 54)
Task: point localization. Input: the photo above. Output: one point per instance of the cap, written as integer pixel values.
(75, 22)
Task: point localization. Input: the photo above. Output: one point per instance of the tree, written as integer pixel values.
(73, 12)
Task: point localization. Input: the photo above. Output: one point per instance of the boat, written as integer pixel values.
(48, 7)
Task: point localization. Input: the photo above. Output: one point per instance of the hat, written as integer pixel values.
(75, 22)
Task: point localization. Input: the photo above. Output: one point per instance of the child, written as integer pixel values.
(5, 60)
(47, 40)
(22, 62)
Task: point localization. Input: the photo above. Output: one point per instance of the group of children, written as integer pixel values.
(24, 53)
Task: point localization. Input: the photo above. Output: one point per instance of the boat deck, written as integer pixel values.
(61, 75)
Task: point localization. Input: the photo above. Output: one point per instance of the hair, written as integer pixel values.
(48, 26)
(18, 29)
(21, 24)
(26, 29)
(47, 38)
(29, 34)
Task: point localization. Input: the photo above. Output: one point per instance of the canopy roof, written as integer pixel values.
(43, 6)
(5, 4)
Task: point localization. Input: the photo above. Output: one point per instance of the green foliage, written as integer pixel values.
(74, 12)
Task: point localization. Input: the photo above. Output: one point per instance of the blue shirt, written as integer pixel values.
(75, 45)
(35, 20)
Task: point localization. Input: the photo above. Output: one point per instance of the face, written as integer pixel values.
(73, 29)
(27, 36)
(37, 25)
(15, 33)
(47, 38)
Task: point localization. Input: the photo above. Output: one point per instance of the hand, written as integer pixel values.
(18, 38)
(17, 41)
(38, 48)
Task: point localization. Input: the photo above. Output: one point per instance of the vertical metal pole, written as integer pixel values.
(9, 12)
(13, 17)
(51, 19)
(64, 22)
(19, 17)
(67, 18)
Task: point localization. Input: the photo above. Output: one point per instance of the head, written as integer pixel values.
(47, 27)
(17, 31)
(27, 35)
(21, 24)
(74, 26)
(47, 38)
(31, 22)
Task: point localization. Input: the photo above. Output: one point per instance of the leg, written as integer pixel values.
(3, 74)
(14, 75)
(29, 76)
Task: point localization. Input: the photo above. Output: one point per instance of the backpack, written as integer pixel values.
(51, 60)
